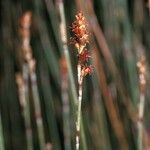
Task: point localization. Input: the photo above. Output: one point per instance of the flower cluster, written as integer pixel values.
(80, 39)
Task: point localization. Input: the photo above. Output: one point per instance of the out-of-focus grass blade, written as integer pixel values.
(1, 135)
(49, 111)
(26, 109)
(38, 114)
(50, 56)
(100, 117)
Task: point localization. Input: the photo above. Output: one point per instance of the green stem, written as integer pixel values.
(78, 121)
(140, 122)
(26, 109)
(1, 135)
(38, 114)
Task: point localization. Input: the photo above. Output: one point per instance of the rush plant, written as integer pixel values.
(80, 40)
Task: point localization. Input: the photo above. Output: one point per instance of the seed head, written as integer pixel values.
(80, 39)
(80, 31)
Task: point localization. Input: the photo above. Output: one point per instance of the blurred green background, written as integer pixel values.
(38, 106)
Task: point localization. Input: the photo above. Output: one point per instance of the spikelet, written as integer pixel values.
(79, 28)
(80, 40)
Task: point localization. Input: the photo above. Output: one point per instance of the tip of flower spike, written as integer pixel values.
(80, 30)
(79, 15)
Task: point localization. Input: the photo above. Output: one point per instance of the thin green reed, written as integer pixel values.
(1, 136)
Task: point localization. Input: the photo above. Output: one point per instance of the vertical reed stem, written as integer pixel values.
(29, 65)
(1, 135)
(80, 82)
(26, 109)
(141, 64)
(140, 121)
(65, 103)
(39, 120)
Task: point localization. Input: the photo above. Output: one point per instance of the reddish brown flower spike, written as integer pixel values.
(80, 40)
(79, 28)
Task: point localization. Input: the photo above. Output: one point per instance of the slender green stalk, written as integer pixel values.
(30, 66)
(66, 123)
(78, 124)
(140, 122)
(63, 34)
(26, 108)
(38, 115)
(148, 3)
(75, 98)
(65, 103)
(141, 64)
(1, 135)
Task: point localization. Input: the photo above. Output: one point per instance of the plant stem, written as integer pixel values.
(66, 115)
(65, 104)
(26, 109)
(1, 135)
(80, 82)
(140, 121)
(38, 115)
